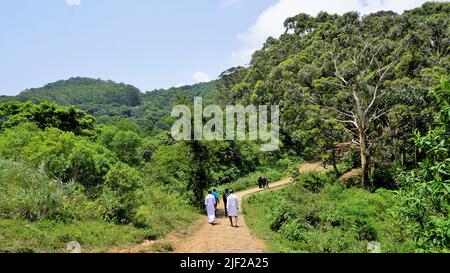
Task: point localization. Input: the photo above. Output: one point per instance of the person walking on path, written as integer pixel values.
(216, 195)
(233, 207)
(224, 198)
(266, 182)
(210, 204)
(260, 182)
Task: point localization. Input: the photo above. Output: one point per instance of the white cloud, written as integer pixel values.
(177, 85)
(201, 77)
(73, 2)
(270, 22)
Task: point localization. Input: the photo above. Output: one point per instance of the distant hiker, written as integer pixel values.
(232, 208)
(260, 182)
(224, 198)
(210, 203)
(266, 182)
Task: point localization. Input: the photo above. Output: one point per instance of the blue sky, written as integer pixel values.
(148, 43)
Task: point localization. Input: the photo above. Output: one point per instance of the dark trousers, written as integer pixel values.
(225, 206)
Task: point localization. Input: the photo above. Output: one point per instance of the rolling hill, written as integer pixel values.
(108, 100)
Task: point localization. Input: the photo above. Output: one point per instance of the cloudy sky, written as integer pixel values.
(148, 43)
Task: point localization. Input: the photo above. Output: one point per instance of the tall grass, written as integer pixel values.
(41, 214)
(29, 194)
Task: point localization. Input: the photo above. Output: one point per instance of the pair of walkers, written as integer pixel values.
(263, 182)
(231, 205)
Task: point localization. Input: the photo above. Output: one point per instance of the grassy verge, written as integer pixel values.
(17, 235)
(39, 214)
(330, 220)
(48, 236)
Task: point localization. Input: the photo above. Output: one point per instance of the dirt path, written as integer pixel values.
(202, 237)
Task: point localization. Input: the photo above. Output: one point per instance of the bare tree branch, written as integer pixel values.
(375, 94)
(334, 60)
(344, 113)
(347, 121)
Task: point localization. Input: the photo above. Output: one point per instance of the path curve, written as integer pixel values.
(202, 237)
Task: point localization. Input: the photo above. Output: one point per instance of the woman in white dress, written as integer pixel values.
(232, 208)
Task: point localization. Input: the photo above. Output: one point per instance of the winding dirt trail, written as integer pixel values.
(202, 237)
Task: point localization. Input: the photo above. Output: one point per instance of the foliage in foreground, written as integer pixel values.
(43, 214)
(332, 219)
(426, 190)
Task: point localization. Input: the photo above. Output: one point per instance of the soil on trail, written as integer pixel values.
(351, 174)
(202, 237)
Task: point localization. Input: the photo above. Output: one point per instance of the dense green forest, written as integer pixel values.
(94, 161)
(369, 80)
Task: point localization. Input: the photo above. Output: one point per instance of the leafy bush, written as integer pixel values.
(29, 193)
(170, 166)
(313, 181)
(120, 196)
(333, 219)
(282, 214)
(88, 163)
(160, 211)
(126, 144)
(63, 154)
(425, 193)
(295, 230)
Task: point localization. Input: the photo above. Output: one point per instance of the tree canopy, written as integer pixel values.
(370, 73)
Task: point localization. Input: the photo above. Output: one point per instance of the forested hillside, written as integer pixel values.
(157, 104)
(351, 78)
(371, 81)
(113, 102)
(89, 94)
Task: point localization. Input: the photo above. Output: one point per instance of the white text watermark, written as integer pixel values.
(237, 123)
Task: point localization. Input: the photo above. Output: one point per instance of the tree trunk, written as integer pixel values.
(364, 162)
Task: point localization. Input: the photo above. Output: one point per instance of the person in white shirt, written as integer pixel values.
(210, 204)
(232, 208)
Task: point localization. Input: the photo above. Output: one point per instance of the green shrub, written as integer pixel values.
(280, 215)
(333, 219)
(63, 154)
(120, 196)
(314, 181)
(126, 146)
(295, 230)
(333, 241)
(160, 212)
(29, 193)
(88, 163)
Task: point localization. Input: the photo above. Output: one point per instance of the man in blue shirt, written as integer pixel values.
(216, 195)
